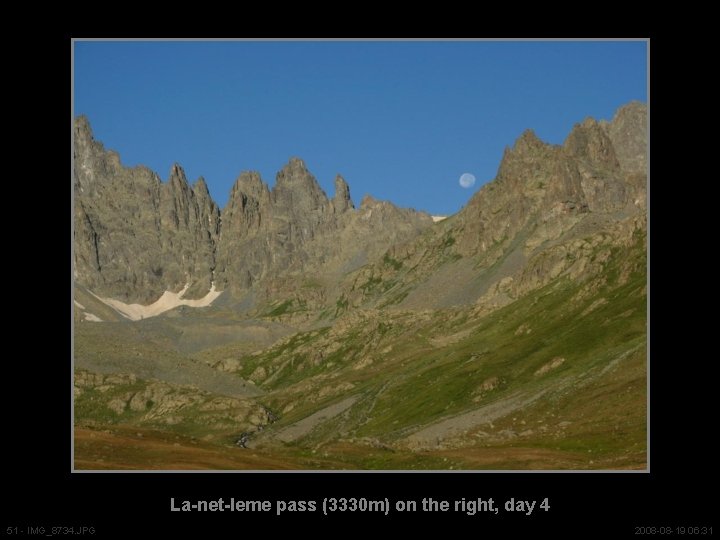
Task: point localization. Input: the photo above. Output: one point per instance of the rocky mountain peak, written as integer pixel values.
(178, 180)
(528, 142)
(297, 192)
(91, 159)
(248, 201)
(200, 186)
(588, 140)
(82, 128)
(293, 172)
(296, 163)
(628, 133)
(208, 211)
(341, 200)
(528, 154)
(250, 184)
(368, 201)
(633, 113)
(136, 237)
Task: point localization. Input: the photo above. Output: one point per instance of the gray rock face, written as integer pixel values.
(269, 236)
(136, 237)
(342, 202)
(628, 133)
(600, 168)
(526, 226)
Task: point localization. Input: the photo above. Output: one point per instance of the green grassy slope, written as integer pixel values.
(553, 380)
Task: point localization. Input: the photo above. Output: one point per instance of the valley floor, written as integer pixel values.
(556, 380)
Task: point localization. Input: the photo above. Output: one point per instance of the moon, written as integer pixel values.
(467, 180)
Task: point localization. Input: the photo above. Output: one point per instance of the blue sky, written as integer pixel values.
(401, 121)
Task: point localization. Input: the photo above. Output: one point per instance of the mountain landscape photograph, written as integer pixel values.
(360, 255)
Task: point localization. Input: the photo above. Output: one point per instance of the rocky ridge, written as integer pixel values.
(137, 237)
(528, 226)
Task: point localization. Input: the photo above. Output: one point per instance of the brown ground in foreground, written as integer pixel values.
(521, 458)
(140, 449)
(128, 448)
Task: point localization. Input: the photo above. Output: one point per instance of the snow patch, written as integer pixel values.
(93, 318)
(438, 218)
(169, 300)
(78, 304)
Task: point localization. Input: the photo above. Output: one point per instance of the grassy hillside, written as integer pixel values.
(555, 379)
